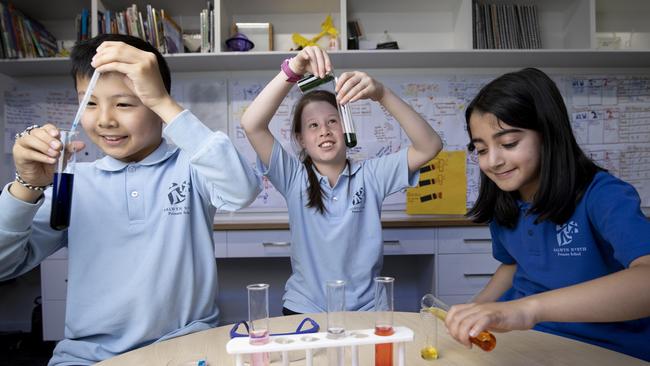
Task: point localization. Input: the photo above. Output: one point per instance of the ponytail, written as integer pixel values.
(314, 190)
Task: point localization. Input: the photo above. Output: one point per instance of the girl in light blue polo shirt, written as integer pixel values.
(334, 204)
(572, 239)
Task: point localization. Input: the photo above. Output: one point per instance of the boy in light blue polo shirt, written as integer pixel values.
(334, 203)
(141, 262)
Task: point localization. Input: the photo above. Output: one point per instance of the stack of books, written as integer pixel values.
(153, 26)
(23, 36)
(503, 26)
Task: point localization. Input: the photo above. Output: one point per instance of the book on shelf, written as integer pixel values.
(172, 34)
(505, 26)
(22, 36)
(150, 24)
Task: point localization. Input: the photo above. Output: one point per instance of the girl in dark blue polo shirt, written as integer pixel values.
(572, 239)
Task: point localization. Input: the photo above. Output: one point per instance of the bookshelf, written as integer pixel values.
(431, 34)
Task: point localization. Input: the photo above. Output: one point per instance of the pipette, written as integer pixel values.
(85, 99)
(484, 340)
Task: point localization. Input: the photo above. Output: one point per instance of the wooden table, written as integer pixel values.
(520, 348)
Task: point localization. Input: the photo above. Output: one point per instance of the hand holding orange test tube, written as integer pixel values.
(484, 340)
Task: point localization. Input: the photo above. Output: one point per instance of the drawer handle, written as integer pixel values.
(276, 243)
(474, 275)
(391, 242)
(477, 240)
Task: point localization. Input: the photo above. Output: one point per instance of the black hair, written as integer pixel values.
(83, 52)
(529, 99)
(314, 190)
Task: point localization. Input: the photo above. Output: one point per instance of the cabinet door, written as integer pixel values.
(409, 241)
(259, 243)
(464, 274)
(464, 240)
(53, 320)
(54, 279)
(220, 244)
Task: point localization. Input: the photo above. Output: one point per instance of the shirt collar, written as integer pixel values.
(354, 168)
(162, 153)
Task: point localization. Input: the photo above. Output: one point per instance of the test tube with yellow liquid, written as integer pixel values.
(484, 340)
(429, 350)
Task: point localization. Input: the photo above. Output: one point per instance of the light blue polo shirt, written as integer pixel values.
(141, 264)
(605, 234)
(346, 242)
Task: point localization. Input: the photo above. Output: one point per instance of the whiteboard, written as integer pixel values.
(610, 115)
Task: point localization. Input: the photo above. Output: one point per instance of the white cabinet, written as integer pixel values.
(409, 241)
(54, 287)
(464, 274)
(259, 243)
(464, 263)
(464, 240)
(246, 256)
(53, 320)
(220, 244)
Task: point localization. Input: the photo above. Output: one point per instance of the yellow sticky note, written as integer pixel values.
(442, 187)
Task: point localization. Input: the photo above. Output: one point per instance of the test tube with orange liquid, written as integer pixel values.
(384, 319)
(484, 340)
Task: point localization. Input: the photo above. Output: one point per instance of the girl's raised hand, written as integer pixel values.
(468, 320)
(311, 60)
(355, 85)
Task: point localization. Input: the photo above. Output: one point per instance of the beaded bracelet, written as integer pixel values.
(25, 131)
(22, 182)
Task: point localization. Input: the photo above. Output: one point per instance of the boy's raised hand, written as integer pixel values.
(312, 60)
(355, 85)
(141, 72)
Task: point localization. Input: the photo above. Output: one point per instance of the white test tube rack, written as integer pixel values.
(241, 346)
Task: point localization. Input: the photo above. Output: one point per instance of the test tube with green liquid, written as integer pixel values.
(311, 82)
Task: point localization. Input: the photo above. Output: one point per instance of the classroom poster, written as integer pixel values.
(442, 186)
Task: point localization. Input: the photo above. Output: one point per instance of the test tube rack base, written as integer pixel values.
(309, 342)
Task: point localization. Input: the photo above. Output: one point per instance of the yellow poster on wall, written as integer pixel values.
(442, 188)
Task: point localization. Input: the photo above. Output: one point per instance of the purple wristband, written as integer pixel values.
(292, 77)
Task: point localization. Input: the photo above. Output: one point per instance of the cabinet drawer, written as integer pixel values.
(409, 241)
(53, 320)
(464, 240)
(259, 243)
(54, 279)
(464, 274)
(220, 244)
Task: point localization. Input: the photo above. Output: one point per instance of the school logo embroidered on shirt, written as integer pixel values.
(357, 200)
(178, 192)
(566, 232)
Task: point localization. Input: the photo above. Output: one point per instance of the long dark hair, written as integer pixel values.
(314, 190)
(529, 99)
(83, 52)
